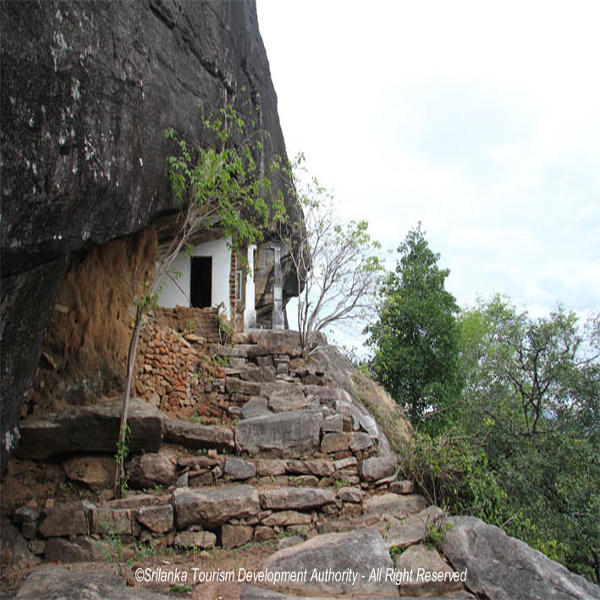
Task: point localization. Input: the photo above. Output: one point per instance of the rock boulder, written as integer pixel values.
(238, 468)
(95, 472)
(504, 568)
(65, 520)
(213, 507)
(196, 436)
(156, 518)
(74, 585)
(360, 553)
(288, 434)
(148, 470)
(91, 429)
(78, 171)
(377, 467)
(75, 549)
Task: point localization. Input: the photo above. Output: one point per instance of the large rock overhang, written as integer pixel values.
(87, 92)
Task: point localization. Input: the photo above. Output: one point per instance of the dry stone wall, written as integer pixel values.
(172, 366)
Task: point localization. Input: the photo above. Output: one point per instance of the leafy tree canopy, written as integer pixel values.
(531, 401)
(416, 337)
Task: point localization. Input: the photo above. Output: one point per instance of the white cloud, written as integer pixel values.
(481, 120)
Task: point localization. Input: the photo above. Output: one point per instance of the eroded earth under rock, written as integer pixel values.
(308, 483)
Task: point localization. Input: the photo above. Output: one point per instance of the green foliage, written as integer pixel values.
(225, 326)
(416, 337)
(338, 484)
(121, 457)
(450, 473)
(219, 180)
(180, 588)
(112, 549)
(435, 533)
(189, 326)
(216, 360)
(531, 402)
(143, 551)
(395, 552)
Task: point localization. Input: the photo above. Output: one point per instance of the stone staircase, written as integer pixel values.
(294, 460)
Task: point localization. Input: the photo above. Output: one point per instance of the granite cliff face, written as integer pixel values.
(87, 92)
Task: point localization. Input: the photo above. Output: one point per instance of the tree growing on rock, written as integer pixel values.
(336, 263)
(416, 336)
(216, 183)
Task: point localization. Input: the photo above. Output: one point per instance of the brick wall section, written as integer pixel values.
(168, 365)
(172, 368)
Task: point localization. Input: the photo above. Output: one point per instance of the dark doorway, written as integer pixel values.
(201, 283)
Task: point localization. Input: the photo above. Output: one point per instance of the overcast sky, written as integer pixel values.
(480, 119)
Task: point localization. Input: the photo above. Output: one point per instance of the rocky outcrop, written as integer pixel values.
(503, 568)
(87, 92)
(341, 523)
(91, 429)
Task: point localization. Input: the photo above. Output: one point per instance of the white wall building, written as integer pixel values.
(204, 280)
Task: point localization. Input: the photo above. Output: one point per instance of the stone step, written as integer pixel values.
(170, 467)
(211, 508)
(198, 437)
(291, 434)
(236, 513)
(296, 498)
(400, 532)
(395, 505)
